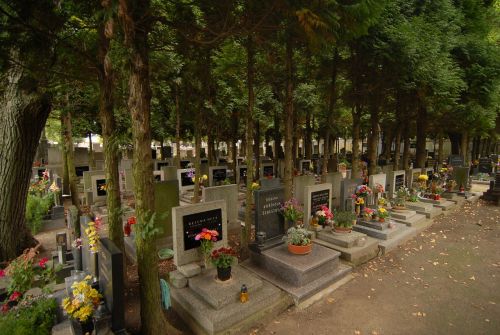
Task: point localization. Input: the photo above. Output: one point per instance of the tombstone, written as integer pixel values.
(89, 260)
(412, 176)
(167, 152)
(80, 169)
(228, 193)
(395, 180)
(98, 188)
(185, 163)
(267, 170)
(186, 182)
(37, 172)
(484, 165)
(456, 160)
(126, 164)
(159, 164)
(299, 184)
(335, 178)
(267, 184)
(268, 217)
(129, 180)
(111, 282)
(315, 197)
(241, 174)
(87, 178)
(305, 165)
(62, 246)
(373, 180)
(189, 220)
(169, 173)
(348, 188)
(166, 197)
(387, 168)
(430, 173)
(158, 176)
(217, 175)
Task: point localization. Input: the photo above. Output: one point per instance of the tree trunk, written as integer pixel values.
(108, 123)
(210, 150)
(331, 110)
(23, 113)
(440, 151)
(356, 139)
(135, 25)
(197, 159)
(421, 156)
(246, 233)
(91, 152)
(177, 129)
(455, 139)
(406, 148)
(65, 188)
(256, 149)
(288, 117)
(397, 149)
(464, 146)
(373, 140)
(308, 136)
(70, 161)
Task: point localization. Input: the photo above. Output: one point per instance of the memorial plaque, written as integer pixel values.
(484, 165)
(318, 199)
(186, 179)
(268, 217)
(218, 176)
(243, 175)
(101, 187)
(399, 181)
(185, 164)
(268, 170)
(80, 169)
(456, 160)
(194, 223)
(111, 282)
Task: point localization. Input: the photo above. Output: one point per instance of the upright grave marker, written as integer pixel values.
(98, 188)
(186, 182)
(228, 193)
(217, 175)
(335, 178)
(315, 197)
(241, 175)
(305, 165)
(347, 190)
(267, 170)
(268, 217)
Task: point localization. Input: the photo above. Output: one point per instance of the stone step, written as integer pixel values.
(404, 234)
(354, 254)
(411, 221)
(220, 294)
(373, 224)
(347, 240)
(402, 215)
(446, 205)
(234, 317)
(420, 206)
(384, 234)
(298, 270)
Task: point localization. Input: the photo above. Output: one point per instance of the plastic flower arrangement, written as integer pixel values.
(382, 201)
(379, 188)
(93, 237)
(77, 243)
(363, 191)
(223, 257)
(423, 178)
(292, 210)
(298, 235)
(84, 302)
(359, 201)
(54, 188)
(255, 186)
(382, 213)
(368, 213)
(324, 215)
(201, 180)
(206, 237)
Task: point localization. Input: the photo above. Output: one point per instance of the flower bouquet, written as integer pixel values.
(222, 259)
(292, 211)
(84, 301)
(206, 237)
(382, 214)
(324, 215)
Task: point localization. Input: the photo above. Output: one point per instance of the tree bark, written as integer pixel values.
(70, 161)
(406, 147)
(23, 113)
(289, 117)
(65, 189)
(440, 151)
(397, 148)
(135, 20)
(331, 110)
(246, 233)
(308, 136)
(464, 146)
(421, 156)
(106, 115)
(91, 152)
(177, 159)
(256, 149)
(373, 140)
(356, 139)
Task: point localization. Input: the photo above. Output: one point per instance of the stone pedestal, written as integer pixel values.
(390, 237)
(211, 307)
(354, 247)
(408, 217)
(301, 276)
(445, 205)
(426, 209)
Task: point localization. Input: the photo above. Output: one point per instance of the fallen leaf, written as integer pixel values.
(472, 278)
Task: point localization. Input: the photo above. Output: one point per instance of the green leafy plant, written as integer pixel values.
(222, 257)
(23, 273)
(298, 235)
(344, 219)
(292, 211)
(31, 316)
(37, 206)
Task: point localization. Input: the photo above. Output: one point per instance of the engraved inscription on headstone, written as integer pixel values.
(318, 199)
(194, 223)
(218, 176)
(399, 181)
(268, 217)
(268, 171)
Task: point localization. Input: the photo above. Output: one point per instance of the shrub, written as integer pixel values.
(36, 316)
(36, 208)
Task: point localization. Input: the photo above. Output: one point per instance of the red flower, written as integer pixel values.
(2, 273)
(15, 296)
(42, 262)
(131, 220)
(5, 308)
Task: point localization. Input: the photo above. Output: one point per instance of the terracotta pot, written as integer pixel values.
(342, 230)
(300, 249)
(381, 219)
(223, 274)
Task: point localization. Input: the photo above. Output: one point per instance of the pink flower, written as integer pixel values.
(5, 308)
(42, 262)
(2, 273)
(15, 296)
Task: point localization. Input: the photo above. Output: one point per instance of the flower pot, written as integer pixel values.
(381, 219)
(82, 328)
(300, 249)
(342, 230)
(223, 274)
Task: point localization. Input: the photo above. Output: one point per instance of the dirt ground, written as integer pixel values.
(444, 281)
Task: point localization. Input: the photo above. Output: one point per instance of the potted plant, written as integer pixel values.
(222, 259)
(399, 202)
(292, 211)
(81, 306)
(299, 240)
(368, 213)
(343, 221)
(382, 214)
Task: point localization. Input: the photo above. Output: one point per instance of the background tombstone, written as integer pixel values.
(189, 220)
(80, 169)
(373, 180)
(186, 183)
(98, 188)
(89, 260)
(315, 197)
(299, 184)
(166, 198)
(456, 160)
(185, 163)
(229, 194)
(169, 172)
(111, 282)
(348, 188)
(484, 165)
(305, 165)
(268, 217)
(241, 175)
(129, 180)
(461, 176)
(158, 176)
(267, 170)
(395, 180)
(335, 178)
(217, 175)
(266, 184)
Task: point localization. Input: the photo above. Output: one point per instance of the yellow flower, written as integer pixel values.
(382, 210)
(205, 177)
(423, 177)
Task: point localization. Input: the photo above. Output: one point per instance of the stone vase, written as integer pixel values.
(82, 328)
(223, 274)
(77, 257)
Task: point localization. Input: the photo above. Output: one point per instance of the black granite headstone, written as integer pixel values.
(111, 282)
(456, 160)
(268, 171)
(484, 165)
(318, 199)
(306, 165)
(268, 217)
(185, 163)
(243, 175)
(399, 181)
(186, 180)
(101, 187)
(80, 169)
(194, 223)
(218, 176)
